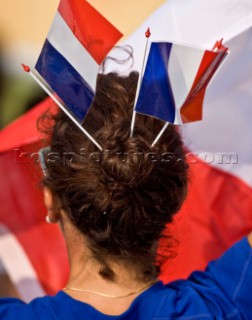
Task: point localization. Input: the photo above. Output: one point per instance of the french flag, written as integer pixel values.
(175, 81)
(78, 41)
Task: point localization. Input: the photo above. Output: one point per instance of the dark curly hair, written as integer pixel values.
(122, 198)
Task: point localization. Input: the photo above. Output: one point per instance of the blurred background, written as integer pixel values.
(23, 28)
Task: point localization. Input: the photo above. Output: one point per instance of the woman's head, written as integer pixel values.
(120, 198)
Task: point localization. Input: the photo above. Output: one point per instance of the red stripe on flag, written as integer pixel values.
(192, 108)
(95, 32)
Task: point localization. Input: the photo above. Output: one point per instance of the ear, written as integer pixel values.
(52, 206)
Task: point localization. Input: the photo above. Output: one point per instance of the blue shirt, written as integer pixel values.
(223, 291)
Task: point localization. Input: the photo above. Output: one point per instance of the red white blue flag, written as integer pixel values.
(78, 41)
(175, 80)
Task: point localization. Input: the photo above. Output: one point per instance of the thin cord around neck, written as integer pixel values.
(109, 296)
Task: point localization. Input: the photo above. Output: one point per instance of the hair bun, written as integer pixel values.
(137, 175)
(125, 161)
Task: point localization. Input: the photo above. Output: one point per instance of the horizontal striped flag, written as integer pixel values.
(78, 41)
(175, 80)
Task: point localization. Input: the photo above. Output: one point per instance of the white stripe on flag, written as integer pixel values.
(183, 66)
(63, 40)
(18, 266)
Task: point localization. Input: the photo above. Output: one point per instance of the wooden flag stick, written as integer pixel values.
(147, 35)
(50, 93)
(160, 134)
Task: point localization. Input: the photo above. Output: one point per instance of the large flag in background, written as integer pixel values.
(218, 209)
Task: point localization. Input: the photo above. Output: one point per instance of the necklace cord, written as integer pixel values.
(106, 295)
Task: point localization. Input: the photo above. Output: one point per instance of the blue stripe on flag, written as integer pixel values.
(65, 81)
(155, 96)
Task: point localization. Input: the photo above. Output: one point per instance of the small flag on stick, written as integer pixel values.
(59, 103)
(175, 81)
(78, 41)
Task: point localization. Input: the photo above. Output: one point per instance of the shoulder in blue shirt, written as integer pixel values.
(223, 291)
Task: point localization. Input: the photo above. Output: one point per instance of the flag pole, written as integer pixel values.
(50, 93)
(147, 35)
(160, 134)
